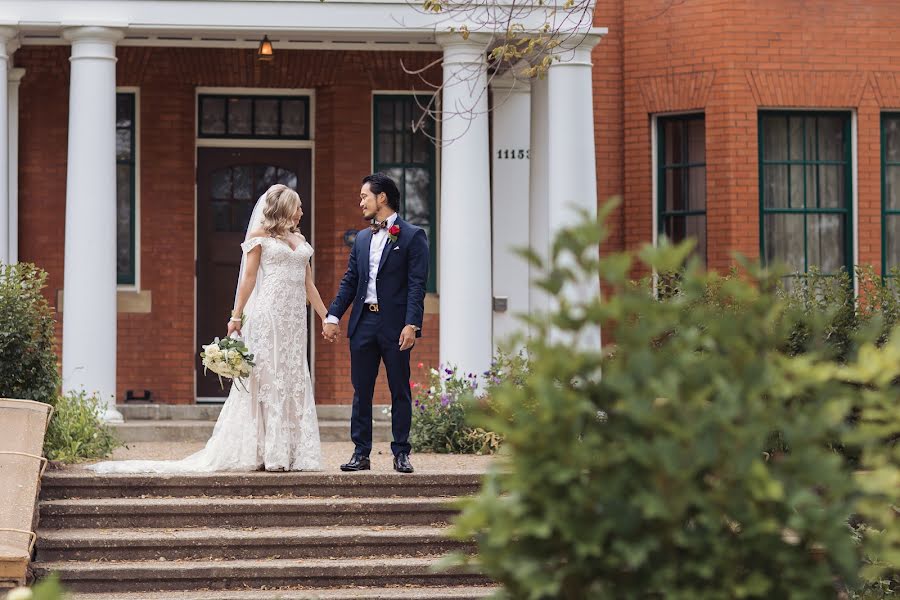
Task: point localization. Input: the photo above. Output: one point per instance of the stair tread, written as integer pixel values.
(399, 593)
(210, 423)
(47, 537)
(78, 475)
(256, 502)
(233, 566)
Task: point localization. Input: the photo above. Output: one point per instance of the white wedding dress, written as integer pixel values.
(271, 425)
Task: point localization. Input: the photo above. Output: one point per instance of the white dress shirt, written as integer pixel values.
(379, 240)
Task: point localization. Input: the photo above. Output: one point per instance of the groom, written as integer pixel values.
(385, 283)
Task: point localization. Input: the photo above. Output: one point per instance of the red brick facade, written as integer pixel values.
(725, 58)
(729, 59)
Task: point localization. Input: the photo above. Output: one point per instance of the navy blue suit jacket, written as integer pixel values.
(401, 279)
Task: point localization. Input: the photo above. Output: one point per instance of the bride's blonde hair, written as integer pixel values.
(281, 204)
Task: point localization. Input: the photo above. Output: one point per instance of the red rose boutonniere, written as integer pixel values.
(393, 232)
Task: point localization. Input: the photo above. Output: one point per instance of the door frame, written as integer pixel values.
(262, 144)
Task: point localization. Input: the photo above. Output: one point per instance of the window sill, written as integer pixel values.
(432, 304)
(127, 301)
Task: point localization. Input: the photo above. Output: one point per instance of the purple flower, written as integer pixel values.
(448, 371)
(445, 400)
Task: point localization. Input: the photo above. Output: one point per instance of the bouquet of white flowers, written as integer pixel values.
(228, 358)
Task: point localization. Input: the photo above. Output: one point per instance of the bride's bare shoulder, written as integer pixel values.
(257, 233)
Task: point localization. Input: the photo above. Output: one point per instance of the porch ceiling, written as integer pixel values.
(241, 23)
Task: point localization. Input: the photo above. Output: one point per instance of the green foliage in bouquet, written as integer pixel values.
(28, 364)
(77, 430)
(440, 408)
(228, 357)
(647, 469)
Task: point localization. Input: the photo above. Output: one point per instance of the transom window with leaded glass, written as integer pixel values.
(805, 190)
(253, 117)
(682, 179)
(409, 158)
(890, 193)
(126, 260)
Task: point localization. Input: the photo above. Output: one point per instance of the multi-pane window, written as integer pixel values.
(125, 192)
(254, 117)
(890, 193)
(409, 157)
(681, 180)
(805, 190)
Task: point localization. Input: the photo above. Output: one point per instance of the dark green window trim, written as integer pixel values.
(808, 162)
(662, 166)
(886, 212)
(304, 100)
(128, 100)
(400, 129)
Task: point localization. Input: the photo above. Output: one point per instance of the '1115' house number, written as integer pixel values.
(513, 153)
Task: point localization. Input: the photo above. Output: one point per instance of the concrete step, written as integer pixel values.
(258, 574)
(243, 544)
(104, 513)
(210, 412)
(194, 430)
(70, 483)
(355, 593)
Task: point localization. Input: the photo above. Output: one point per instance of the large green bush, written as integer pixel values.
(28, 365)
(663, 478)
(77, 430)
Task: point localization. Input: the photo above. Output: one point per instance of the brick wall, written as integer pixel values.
(729, 58)
(167, 78)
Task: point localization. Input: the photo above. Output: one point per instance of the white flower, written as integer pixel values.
(20, 593)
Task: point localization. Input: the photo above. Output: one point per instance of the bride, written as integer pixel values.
(271, 424)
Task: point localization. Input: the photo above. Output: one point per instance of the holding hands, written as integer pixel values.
(330, 331)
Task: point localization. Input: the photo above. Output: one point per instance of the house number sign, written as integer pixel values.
(514, 153)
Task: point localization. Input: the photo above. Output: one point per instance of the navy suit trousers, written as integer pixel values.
(369, 345)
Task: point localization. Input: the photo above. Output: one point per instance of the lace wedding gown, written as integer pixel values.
(273, 424)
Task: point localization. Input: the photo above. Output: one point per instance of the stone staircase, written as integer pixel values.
(194, 423)
(223, 536)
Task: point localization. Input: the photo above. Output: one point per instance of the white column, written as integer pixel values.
(572, 157)
(511, 106)
(89, 315)
(7, 35)
(15, 78)
(464, 244)
(539, 191)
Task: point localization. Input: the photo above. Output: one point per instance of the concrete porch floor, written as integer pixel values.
(333, 455)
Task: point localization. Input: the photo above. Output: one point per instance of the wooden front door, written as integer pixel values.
(229, 181)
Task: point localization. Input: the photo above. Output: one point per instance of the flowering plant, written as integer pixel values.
(440, 405)
(229, 358)
(393, 232)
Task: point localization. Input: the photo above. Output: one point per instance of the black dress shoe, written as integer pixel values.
(358, 462)
(402, 464)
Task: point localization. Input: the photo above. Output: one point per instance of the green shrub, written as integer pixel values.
(658, 479)
(28, 365)
(440, 406)
(77, 430)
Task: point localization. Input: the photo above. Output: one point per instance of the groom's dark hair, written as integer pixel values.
(378, 183)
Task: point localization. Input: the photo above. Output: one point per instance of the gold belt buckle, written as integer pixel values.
(373, 307)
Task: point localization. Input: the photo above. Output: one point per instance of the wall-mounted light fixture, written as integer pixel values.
(265, 50)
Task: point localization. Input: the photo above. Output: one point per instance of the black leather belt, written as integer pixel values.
(372, 307)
